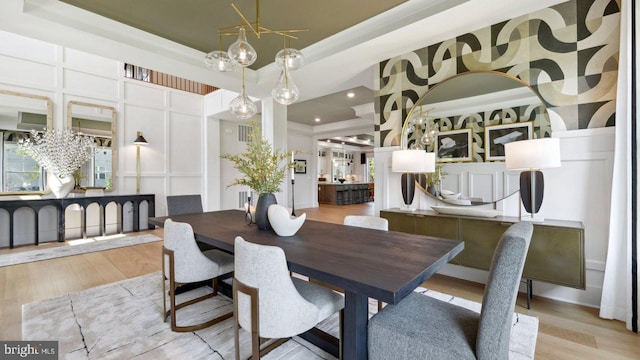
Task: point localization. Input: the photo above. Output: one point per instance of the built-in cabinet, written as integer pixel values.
(556, 253)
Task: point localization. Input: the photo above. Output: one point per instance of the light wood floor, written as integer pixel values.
(566, 331)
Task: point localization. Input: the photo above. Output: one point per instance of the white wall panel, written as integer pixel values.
(151, 122)
(91, 85)
(184, 102)
(229, 144)
(136, 92)
(303, 182)
(185, 185)
(212, 176)
(27, 48)
(185, 141)
(26, 73)
(89, 63)
(155, 185)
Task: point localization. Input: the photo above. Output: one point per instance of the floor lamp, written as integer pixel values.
(530, 156)
(411, 163)
(140, 140)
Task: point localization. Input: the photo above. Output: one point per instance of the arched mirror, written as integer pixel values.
(100, 122)
(19, 114)
(470, 117)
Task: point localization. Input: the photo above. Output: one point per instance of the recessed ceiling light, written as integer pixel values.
(351, 94)
(317, 119)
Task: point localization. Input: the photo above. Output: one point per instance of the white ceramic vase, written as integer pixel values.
(60, 187)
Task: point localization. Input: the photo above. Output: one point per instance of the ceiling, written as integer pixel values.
(195, 23)
(345, 41)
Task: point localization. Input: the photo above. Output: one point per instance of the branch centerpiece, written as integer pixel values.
(263, 170)
(60, 152)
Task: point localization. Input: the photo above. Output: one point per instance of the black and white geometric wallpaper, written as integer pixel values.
(567, 53)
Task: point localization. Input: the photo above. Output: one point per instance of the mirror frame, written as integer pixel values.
(404, 141)
(49, 104)
(114, 142)
(417, 104)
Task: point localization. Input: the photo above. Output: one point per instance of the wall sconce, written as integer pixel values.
(140, 140)
(530, 156)
(411, 163)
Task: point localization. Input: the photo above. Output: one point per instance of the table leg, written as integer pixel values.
(136, 215)
(356, 320)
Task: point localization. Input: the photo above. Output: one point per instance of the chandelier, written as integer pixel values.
(423, 130)
(242, 54)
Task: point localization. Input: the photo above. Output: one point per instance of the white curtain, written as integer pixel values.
(618, 288)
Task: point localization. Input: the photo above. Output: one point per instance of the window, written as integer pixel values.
(20, 171)
(96, 172)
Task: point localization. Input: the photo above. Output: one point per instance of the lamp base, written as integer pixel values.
(406, 207)
(531, 219)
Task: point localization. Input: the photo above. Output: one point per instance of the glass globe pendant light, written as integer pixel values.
(292, 57)
(285, 92)
(242, 107)
(241, 51)
(219, 61)
(430, 132)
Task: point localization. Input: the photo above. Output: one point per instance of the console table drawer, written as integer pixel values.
(556, 255)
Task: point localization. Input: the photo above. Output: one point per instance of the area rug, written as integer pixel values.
(123, 320)
(61, 251)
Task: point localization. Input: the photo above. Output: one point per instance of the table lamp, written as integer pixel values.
(411, 163)
(530, 156)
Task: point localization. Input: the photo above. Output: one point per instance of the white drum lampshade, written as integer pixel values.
(530, 156)
(411, 162)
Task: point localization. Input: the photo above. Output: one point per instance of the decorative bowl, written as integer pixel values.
(450, 195)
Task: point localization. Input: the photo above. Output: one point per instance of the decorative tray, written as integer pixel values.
(467, 211)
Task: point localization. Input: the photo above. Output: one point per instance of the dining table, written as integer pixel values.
(364, 263)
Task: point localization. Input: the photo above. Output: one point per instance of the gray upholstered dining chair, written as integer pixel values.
(365, 221)
(183, 262)
(421, 327)
(184, 204)
(271, 304)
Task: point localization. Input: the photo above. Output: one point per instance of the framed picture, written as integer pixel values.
(301, 166)
(496, 136)
(454, 145)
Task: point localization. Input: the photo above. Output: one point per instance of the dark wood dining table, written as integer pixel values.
(366, 263)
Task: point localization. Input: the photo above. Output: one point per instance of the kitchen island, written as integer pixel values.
(344, 194)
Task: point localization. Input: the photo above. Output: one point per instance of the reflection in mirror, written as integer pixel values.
(472, 101)
(98, 121)
(19, 114)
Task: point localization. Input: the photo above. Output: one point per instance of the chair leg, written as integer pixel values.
(175, 307)
(164, 290)
(379, 305)
(236, 325)
(340, 354)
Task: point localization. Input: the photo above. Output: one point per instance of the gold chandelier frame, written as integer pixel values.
(255, 26)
